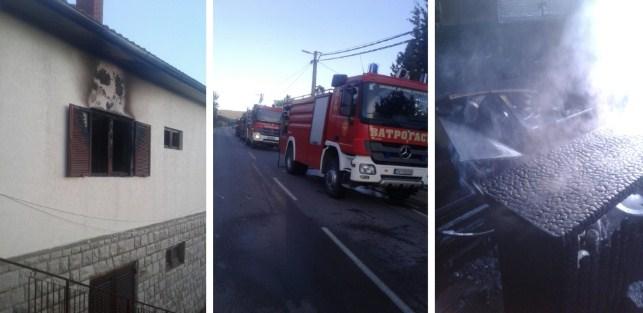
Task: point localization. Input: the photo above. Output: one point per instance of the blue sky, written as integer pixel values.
(258, 43)
(172, 30)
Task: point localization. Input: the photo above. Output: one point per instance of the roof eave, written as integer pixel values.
(64, 21)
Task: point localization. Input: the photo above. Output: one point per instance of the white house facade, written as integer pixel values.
(102, 167)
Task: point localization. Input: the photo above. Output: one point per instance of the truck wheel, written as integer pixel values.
(333, 179)
(293, 167)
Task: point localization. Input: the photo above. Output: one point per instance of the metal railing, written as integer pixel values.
(31, 290)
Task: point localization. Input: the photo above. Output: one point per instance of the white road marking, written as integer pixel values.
(256, 169)
(285, 189)
(252, 155)
(418, 212)
(379, 283)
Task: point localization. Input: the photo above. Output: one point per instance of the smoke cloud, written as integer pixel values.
(600, 59)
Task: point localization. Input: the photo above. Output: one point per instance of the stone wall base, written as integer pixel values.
(180, 289)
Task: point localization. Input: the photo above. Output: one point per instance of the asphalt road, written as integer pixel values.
(282, 245)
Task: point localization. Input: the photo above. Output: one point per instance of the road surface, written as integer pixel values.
(282, 245)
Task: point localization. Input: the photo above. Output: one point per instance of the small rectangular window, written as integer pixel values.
(168, 137)
(173, 138)
(175, 256)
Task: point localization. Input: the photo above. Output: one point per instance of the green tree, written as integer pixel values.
(218, 119)
(280, 103)
(415, 57)
(215, 104)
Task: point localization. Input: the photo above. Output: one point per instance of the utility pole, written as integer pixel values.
(316, 56)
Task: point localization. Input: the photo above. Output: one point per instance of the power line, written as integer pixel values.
(367, 51)
(298, 72)
(367, 45)
(296, 79)
(328, 67)
(29, 203)
(59, 217)
(40, 207)
(317, 55)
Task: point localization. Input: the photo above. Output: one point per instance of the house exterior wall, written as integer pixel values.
(40, 75)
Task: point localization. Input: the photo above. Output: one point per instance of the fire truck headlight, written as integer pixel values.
(368, 169)
(256, 135)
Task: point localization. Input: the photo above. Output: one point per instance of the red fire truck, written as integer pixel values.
(262, 125)
(370, 130)
(240, 127)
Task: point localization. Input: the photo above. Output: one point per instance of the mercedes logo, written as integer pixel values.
(405, 152)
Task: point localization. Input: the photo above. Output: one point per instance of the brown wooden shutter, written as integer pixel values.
(78, 142)
(142, 139)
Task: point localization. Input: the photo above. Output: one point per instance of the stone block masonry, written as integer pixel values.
(180, 289)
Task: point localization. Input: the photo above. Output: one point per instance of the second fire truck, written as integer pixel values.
(262, 125)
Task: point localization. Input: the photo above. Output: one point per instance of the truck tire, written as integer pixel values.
(293, 167)
(333, 179)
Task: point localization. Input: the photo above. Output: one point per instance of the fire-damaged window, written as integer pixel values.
(173, 138)
(104, 144)
(175, 256)
(111, 144)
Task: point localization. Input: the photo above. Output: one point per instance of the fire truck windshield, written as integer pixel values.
(394, 106)
(267, 116)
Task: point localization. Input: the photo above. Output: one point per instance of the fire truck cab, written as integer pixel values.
(262, 125)
(370, 130)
